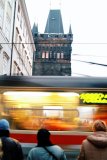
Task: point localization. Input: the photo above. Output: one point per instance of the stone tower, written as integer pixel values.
(53, 48)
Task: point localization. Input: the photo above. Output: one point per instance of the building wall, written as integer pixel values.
(21, 49)
(52, 69)
(6, 14)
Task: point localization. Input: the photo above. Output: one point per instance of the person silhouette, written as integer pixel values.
(94, 147)
(10, 149)
(45, 149)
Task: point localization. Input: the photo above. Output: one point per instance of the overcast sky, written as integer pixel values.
(88, 19)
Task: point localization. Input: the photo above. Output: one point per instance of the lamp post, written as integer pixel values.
(11, 56)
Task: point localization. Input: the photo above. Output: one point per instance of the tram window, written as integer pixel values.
(56, 111)
(53, 111)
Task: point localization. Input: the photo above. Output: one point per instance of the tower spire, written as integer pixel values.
(50, 5)
(55, 4)
(35, 29)
(54, 22)
(59, 4)
(70, 30)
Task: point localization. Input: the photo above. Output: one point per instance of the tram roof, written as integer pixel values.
(54, 81)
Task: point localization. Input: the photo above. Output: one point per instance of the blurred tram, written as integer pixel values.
(67, 106)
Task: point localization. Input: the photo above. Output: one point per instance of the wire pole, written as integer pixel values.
(11, 58)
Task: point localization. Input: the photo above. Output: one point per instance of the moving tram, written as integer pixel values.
(67, 106)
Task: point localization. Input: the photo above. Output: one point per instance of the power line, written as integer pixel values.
(88, 55)
(54, 43)
(80, 74)
(105, 65)
(90, 43)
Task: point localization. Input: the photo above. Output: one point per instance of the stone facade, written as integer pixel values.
(53, 48)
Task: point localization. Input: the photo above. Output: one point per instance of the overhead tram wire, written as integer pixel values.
(54, 43)
(80, 74)
(105, 65)
(86, 55)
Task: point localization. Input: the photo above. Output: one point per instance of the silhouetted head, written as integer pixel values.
(43, 137)
(4, 128)
(99, 125)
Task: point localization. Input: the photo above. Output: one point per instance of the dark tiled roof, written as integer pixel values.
(54, 22)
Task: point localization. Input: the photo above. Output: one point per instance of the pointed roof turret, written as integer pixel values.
(54, 22)
(70, 30)
(35, 29)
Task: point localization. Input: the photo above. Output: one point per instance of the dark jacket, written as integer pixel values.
(11, 149)
(94, 147)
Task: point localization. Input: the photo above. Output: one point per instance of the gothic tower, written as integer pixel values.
(53, 48)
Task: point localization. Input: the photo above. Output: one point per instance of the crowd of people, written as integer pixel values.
(94, 147)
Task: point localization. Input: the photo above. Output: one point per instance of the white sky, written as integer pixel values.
(88, 19)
